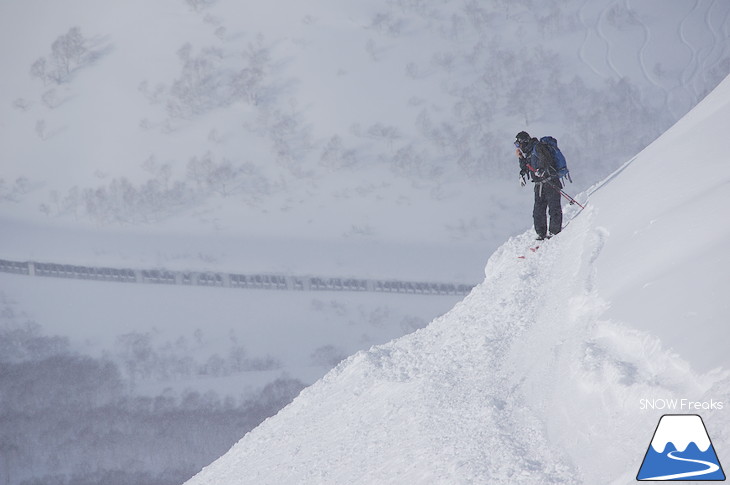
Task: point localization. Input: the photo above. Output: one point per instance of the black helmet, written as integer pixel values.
(523, 136)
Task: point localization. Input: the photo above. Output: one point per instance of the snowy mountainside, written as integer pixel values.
(175, 373)
(367, 140)
(389, 121)
(531, 378)
(665, 249)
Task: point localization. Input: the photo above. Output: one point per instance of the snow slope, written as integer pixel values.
(537, 376)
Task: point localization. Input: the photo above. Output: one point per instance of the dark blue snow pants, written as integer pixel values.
(547, 200)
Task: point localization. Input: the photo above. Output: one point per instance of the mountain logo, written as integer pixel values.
(680, 450)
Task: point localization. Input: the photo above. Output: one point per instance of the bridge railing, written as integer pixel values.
(226, 280)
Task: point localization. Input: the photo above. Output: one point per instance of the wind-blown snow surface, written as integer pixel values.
(537, 376)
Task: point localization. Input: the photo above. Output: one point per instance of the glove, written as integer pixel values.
(523, 180)
(540, 173)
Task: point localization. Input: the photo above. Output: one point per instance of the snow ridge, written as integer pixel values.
(530, 379)
(445, 391)
(476, 394)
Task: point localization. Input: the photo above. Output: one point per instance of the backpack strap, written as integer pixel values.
(544, 153)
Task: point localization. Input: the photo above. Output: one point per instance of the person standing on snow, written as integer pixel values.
(536, 163)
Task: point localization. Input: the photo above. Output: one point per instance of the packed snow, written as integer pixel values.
(537, 376)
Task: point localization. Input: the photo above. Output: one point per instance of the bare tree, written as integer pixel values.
(68, 52)
(39, 69)
(21, 104)
(199, 5)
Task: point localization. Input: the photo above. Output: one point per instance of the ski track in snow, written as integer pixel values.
(641, 56)
(715, 37)
(692, 65)
(582, 48)
(699, 62)
(719, 38)
(601, 32)
(683, 88)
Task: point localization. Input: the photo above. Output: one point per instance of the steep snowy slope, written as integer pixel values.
(665, 266)
(538, 375)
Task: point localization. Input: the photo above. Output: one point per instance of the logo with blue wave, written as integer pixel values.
(681, 450)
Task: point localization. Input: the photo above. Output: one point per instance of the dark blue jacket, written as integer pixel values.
(538, 156)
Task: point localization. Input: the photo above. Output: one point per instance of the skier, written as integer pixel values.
(536, 163)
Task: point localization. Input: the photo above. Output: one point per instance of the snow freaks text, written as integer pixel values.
(680, 405)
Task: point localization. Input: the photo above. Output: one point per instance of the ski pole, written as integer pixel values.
(547, 181)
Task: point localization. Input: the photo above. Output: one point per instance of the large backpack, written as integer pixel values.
(559, 162)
